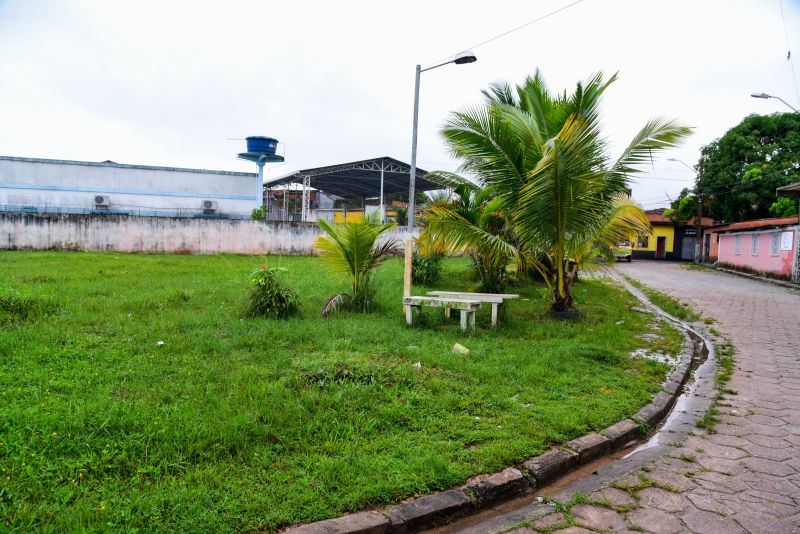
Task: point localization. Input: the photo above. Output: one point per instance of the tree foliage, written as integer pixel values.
(682, 208)
(743, 168)
(784, 207)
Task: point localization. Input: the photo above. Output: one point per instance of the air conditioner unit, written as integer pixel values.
(101, 201)
(209, 206)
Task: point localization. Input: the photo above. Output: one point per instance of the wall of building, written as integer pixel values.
(766, 260)
(70, 186)
(649, 252)
(713, 247)
(126, 233)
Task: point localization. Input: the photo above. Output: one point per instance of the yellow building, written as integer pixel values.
(669, 241)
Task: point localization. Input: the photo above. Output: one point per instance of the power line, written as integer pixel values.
(665, 179)
(722, 189)
(496, 37)
(789, 52)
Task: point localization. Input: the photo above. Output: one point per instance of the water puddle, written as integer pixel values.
(693, 398)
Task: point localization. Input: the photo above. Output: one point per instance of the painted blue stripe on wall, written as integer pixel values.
(126, 191)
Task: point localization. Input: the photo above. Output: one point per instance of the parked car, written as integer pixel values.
(623, 252)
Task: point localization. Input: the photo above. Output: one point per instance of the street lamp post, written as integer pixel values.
(698, 220)
(460, 59)
(766, 96)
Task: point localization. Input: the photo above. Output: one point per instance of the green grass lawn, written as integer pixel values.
(236, 423)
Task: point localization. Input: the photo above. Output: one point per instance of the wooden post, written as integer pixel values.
(407, 270)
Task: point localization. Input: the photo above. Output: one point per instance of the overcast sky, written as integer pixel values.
(169, 82)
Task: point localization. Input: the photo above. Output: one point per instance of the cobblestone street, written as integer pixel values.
(745, 477)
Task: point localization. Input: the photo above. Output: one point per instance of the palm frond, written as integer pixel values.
(500, 92)
(451, 180)
(333, 304)
(460, 235)
(658, 134)
(625, 221)
(486, 146)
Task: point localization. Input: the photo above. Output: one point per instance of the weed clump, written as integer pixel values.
(18, 305)
(267, 296)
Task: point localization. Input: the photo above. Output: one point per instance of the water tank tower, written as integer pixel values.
(261, 150)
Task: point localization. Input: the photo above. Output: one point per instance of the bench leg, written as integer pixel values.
(447, 313)
(495, 312)
(464, 320)
(472, 314)
(410, 314)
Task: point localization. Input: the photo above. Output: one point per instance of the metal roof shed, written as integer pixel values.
(357, 180)
(791, 190)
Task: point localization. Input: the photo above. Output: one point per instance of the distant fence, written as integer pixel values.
(129, 233)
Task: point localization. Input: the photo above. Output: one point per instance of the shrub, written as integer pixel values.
(268, 297)
(425, 269)
(259, 214)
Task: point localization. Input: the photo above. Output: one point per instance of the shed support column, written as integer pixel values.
(285, 200)
(260, 186)
(306, 185)
(382, 207)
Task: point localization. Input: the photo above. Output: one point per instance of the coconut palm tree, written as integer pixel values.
(545, 162)
(468, 205)
(351, 249)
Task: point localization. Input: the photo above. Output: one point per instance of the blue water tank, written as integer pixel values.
(264, 145)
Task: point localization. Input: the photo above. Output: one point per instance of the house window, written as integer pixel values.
(754, 241)
(643, 242)
(775, 243)
(737, 247)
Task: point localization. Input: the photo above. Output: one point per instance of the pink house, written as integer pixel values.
(766, 246)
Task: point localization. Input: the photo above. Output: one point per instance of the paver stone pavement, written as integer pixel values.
(745, 477)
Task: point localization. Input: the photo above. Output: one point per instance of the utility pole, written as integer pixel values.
(698, 223)
(412, 182)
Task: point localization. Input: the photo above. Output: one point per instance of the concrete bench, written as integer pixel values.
(467, 308)
(495, 299)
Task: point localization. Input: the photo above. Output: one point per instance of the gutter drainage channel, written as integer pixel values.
(498, 501)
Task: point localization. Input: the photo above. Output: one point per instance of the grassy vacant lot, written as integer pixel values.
(236, 423)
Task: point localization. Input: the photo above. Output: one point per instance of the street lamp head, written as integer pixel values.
(465, 57)
(760, 95)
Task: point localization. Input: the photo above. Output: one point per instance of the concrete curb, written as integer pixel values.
(484, 491)
(774, 282)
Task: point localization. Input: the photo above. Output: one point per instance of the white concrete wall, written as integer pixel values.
(126, 233)
(72, 186)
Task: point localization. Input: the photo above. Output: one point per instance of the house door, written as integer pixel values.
(687, 248)
(661, 247)
(706, 247)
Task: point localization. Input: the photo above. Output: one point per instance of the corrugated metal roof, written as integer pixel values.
(113, 164)
(361, 179)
